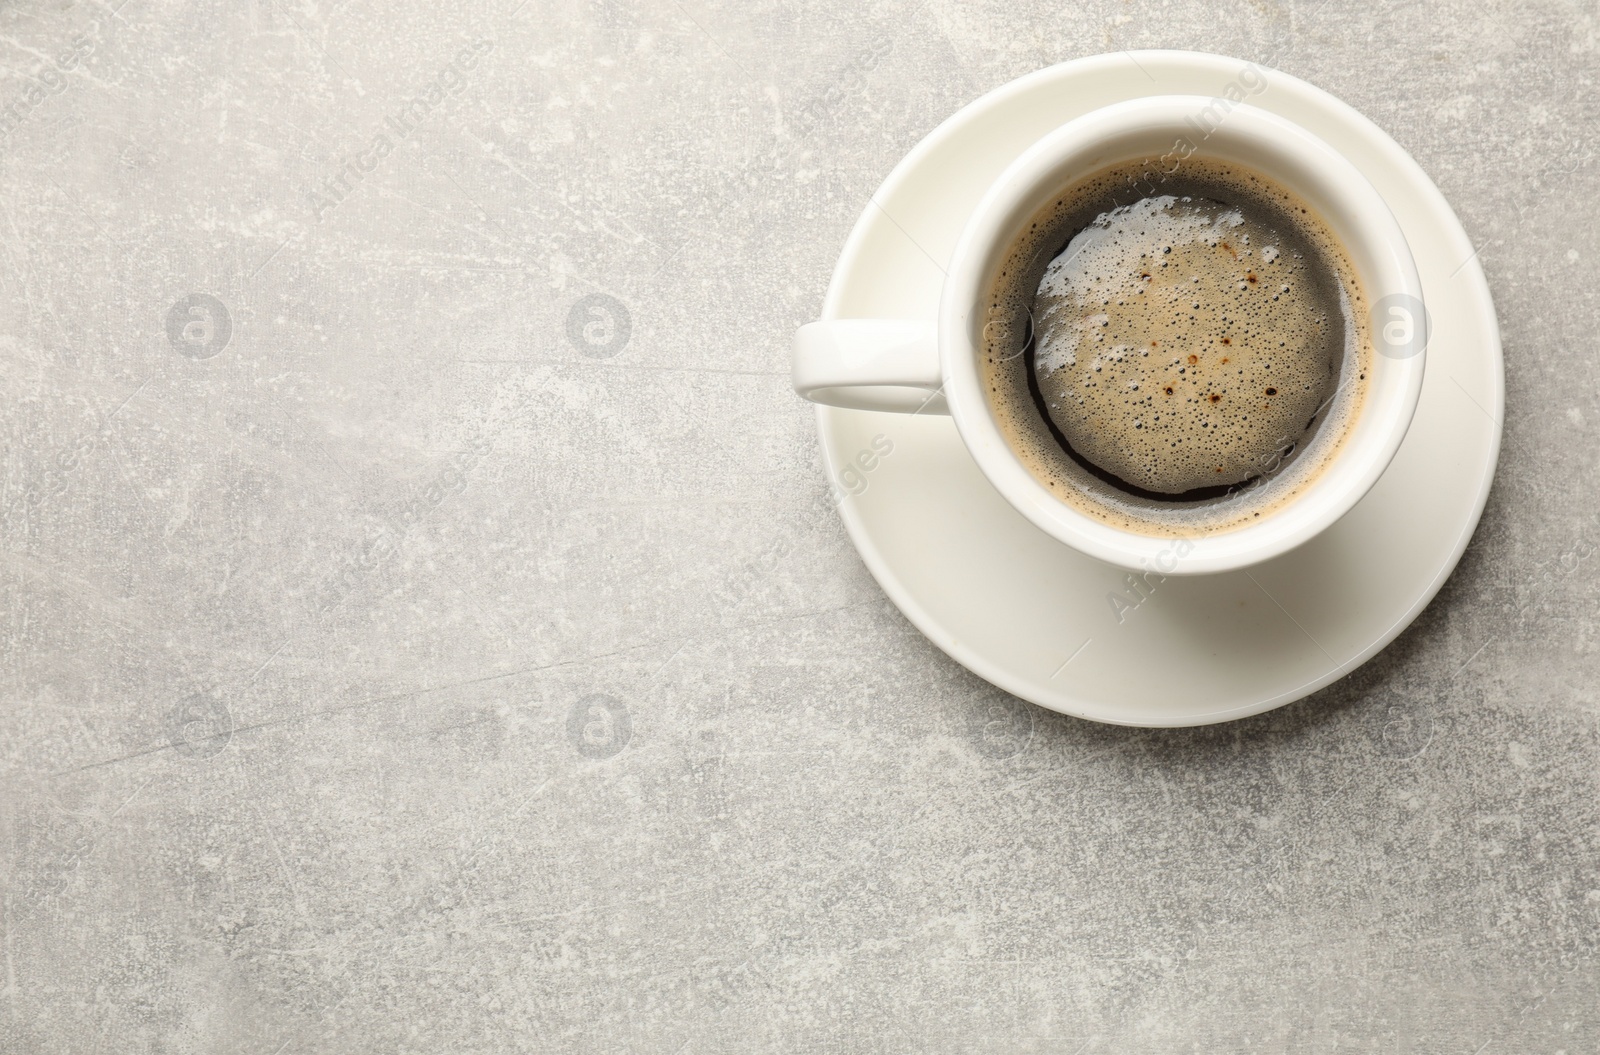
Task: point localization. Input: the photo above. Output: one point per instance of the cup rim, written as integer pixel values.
(1361, 219)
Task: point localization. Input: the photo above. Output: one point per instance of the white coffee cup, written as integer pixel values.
(924, 366)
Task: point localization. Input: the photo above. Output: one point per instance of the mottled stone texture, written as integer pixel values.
(426, 628)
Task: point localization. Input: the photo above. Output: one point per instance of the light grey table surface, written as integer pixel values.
(412, 671)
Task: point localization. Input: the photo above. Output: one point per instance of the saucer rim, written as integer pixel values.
(1444, 219)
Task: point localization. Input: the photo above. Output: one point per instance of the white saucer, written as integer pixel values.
(1032, 616)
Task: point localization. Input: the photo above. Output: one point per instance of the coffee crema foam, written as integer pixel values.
(1176, 358)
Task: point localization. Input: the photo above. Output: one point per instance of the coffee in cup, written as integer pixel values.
(1176, 352)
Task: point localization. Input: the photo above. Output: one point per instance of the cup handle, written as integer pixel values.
(870, 364)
